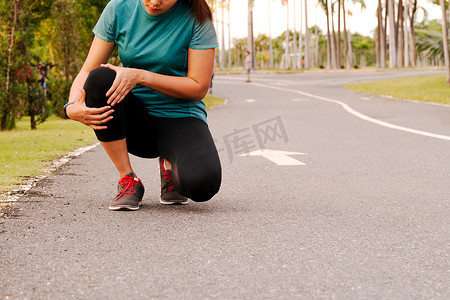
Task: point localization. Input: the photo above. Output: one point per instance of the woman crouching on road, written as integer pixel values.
(152, 106)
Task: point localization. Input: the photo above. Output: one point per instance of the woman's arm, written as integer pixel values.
(99, 53)
(193, 87)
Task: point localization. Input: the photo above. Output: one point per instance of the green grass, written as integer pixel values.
(213, 101)
(25, 152)
(422, 88)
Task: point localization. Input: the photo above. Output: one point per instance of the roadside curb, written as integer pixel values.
(14, 195)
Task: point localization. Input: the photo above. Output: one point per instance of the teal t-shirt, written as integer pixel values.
(158, 44)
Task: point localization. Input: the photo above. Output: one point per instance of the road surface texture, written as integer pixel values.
(326, 194)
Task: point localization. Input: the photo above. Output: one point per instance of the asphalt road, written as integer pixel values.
(326, 194)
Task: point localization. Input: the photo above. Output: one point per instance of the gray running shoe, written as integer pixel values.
(131, 191)
(168, 193)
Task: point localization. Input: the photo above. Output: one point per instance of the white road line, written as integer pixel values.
(360, 115)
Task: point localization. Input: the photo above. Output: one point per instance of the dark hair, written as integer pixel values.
(200, 9)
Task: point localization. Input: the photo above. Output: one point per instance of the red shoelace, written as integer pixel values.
(167, 175)
(129, 184)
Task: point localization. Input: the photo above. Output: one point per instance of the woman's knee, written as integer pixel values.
(97, 84)
(201, 186)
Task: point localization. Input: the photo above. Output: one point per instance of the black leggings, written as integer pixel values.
(185, 142)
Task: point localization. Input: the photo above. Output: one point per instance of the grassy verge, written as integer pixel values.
(25, 153)
(422, 88)
(213, 101)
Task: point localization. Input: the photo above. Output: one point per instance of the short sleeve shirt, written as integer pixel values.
(158, 44)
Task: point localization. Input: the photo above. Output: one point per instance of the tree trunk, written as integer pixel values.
(346, 46)
(338, 50)
(333, 40)
(307, 55)
(300, 39)
(286, 50)
(270, 39)
(328, 36)
(222, 48)
(11, 44)
(413, 33)
(445, 40)
(379, 29)
(250, 32)
(229, 35)
(294, 39)
(400, 43)
(386, 16)
(392, 44)
(406, 33)
(316, 47)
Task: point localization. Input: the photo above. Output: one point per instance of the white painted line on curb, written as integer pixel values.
(14, 195)
(360, 115)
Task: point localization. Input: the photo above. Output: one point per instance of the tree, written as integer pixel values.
(286, 48)
(333, 40)
(21, 18)
(250, 38)
(347, 38)
(307, 52)
(11, 26)
(429, 41)
(392, 43)
(324, 4)
(412, 21)
(445, 39)
(338, 50)
(364, 49)
(381, 38)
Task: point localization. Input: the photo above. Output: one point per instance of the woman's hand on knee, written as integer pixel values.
(89, 116)
(126, 79)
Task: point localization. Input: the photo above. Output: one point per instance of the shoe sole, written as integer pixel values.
(173, 202)
(124, 207)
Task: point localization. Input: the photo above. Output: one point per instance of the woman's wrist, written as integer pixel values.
(65, 108)
(143, 77)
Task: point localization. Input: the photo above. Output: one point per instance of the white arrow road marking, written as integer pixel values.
(281, 158)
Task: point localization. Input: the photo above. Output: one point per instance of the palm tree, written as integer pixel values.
(300, 39)
(270, 39)
(406, 34)
(306, 36)
(399, 34)
(222, 48)
(294, 39)
(381, 38)
(445, 39)
(346, 45)
(338, 50)
(429, 43)
(229, 35)
(412, 32)
(392, 44)
(250, 38)
(333, 39)
(286, 49)
(325, 3)
(348, 53)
